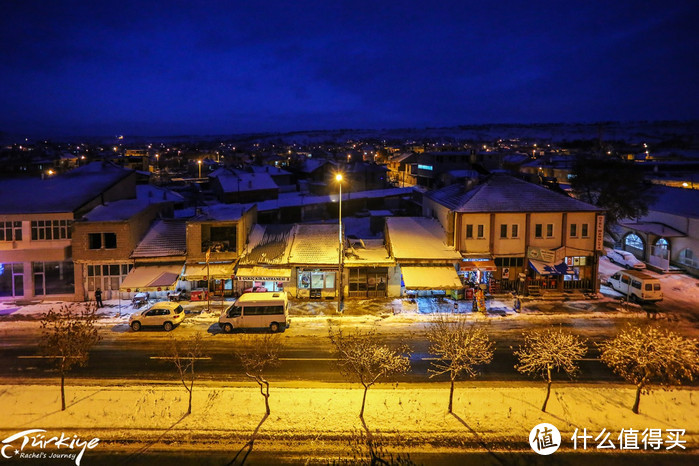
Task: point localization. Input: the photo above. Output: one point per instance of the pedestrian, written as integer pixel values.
(516, 305)
(98, 298)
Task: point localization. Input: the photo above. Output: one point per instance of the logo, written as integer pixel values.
(14, 446)
(545, 438)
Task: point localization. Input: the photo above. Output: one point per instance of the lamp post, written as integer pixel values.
(199, 163)
(340, 294)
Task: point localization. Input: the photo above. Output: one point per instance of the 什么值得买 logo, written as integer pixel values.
(544, 438)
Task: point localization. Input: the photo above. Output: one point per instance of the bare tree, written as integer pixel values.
(645, 354)
(364, 359)
(550, 350)
(184, 353)
(460, 348)
(257, 354)
(67, 337)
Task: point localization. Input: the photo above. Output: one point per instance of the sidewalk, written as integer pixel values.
(491, 416)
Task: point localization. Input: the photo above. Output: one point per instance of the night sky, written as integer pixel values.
(169, 67)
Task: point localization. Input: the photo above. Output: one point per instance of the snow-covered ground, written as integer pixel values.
(495, 415)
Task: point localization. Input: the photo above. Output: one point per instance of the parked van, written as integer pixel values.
(636, 286)
(257, 310)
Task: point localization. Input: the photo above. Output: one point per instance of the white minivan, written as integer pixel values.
(257, 310)
(636, 286)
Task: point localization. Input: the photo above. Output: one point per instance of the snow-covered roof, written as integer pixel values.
(156, 194)
(368, 253)
(316, 244)
(504, 193)
(269, 169)
(271, 246)
(66, 192)
(311, 165)
(246, 182)
(222, 212)
(675, 201)
(165, 238)
(117, 211)
(418, 238)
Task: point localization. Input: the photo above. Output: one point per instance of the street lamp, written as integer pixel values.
(338, 178)
(199, 162)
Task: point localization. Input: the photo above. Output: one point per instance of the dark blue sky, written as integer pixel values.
(170, 67)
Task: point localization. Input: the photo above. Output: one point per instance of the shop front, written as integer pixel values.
(316, 283)
(259, 278)
(578, 272)
(430, 280)
(367, 282)
(151, 281)
(215, 278)
(476, 272)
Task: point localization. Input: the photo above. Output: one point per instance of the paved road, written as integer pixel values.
(307, 354)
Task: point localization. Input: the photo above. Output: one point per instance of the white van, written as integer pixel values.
(636, 286)
(257, 310)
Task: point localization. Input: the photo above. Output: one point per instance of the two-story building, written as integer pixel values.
(36, 221)
(513, 234)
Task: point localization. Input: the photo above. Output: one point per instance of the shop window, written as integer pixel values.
(53, 278)
(106, 276)
(12, 279)
(10, 231)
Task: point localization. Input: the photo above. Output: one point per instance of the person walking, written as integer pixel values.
(98, 298)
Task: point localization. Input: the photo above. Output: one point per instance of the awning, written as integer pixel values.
(431, 278)
(482, 265)
(545, 268)
(151, 278)
(216, 271)
(263, 273)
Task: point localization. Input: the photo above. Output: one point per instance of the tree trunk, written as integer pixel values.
(266, 395)
(63, 392)
(361, 413)
(638, 399)
(548, 389)
(451, 396)
(189, 408)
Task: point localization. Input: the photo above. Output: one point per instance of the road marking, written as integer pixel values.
(307, 359)
(430, 359)
(170, 357)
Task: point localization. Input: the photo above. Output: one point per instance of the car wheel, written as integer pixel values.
(167, 326)
(228, 328)
(274, 327)
(135, 326)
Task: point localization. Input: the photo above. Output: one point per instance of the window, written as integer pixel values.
(538, 231)
(218, 238)
(549, 230)
(53, 278)
(469, 231)
(583, 230)
(10, 231)
(12, 279)
(515, 231)
(649, 287)
(573, 230)
(662, 243)
(509, 261)
(102, 240)
(625, 279)
(503, 231)
(480, 231)
(46, 230)
(636, 284)
(575, 261)
(106, 276)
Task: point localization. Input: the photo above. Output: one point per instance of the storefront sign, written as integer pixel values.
(599, 233)
(541, 254)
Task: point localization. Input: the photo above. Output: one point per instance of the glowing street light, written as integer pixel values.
(338, 178)
(199, 162)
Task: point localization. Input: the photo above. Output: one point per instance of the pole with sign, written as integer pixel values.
(208, 281)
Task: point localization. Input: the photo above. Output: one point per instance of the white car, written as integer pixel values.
(165, 314)
(625, 259)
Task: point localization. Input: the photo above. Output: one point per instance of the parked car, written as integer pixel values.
(257, 310)
(625, 259)
(164, 314)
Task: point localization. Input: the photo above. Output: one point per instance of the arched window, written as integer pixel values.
(633, 241)
(662, 243)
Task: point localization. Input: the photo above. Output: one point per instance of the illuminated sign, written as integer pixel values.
(424, 167)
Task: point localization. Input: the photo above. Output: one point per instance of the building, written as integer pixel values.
(668, 236)
(36, 221)
(512, 234)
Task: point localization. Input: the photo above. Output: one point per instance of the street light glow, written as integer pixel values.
(338, 177)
